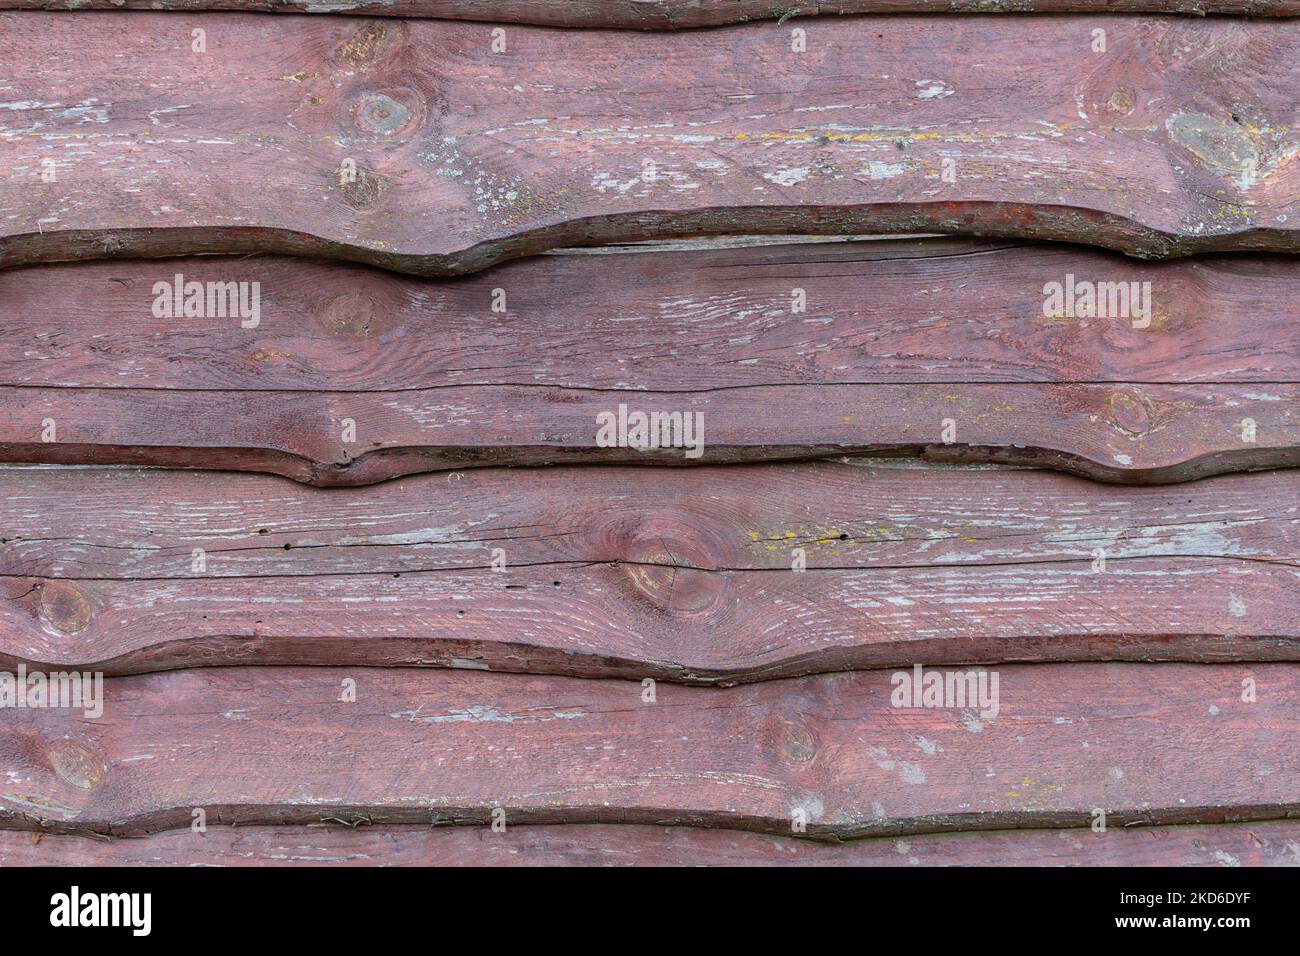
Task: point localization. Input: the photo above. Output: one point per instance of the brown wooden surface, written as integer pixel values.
(666, 14)
(1179, 139)
(1185, 432)
(898, 337)
(676, 574)
(906, 312)
(1147, 743)
(1271, 843)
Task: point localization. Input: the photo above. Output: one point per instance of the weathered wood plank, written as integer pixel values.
(666, 14)
(1178, 139)
(888, 343)
(110, 523)
(1271, 843)
(1111, 432)
(1146, 743)
(665, 622)
(930, 311)
(683, 575)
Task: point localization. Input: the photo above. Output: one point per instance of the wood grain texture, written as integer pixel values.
(1179, 139)
(666, 14)
(931, 311)
(1271, 843)
(1148, 743)
(896, 338)
(1186, 432)
(682, 575)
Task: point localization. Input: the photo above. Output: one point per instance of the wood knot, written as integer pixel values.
(1132, 413)
(1121, 101)
(351, 315)
(269, 355)
(800, 743)
(64, 607)
(392, 114)
(789, 736)
(78, 766)
(667, 567)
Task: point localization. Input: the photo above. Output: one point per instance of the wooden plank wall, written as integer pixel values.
(364, 577)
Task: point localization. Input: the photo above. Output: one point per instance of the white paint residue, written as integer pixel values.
(791, 176)
(933, 89)
(484, 714)
(883, 170)
(911, 773)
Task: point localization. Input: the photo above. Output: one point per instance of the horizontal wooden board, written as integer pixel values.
(354, 140)
(666, 14)
(783, 351)
(1272, 843)
(684, 575)
(1146, 743)
(1111, 432)
(933, 311)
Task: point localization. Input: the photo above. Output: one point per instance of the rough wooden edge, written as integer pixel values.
(1265, 843)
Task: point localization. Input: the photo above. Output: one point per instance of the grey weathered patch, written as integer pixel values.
(1219, 146)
